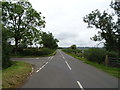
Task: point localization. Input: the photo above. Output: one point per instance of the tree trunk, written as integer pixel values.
(106, 60)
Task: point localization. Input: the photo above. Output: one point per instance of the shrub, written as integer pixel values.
(69, 50)
(6, 49)
(95, 54)
(76, 52)
(6, 55)
(112, 54)
(36, 52)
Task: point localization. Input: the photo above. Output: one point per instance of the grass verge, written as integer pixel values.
(15, 75)
(110, 70)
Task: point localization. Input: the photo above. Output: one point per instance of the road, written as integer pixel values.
(64, 71)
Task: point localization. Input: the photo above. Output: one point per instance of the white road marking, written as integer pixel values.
(68, 65)
(39, 70)
(61, 53)
(46, 63)
(32, 71)
(51, 57)
(48, 57)
(63, 57)
(65, 61)
(80, 85)
(37, 58)
(42, 67)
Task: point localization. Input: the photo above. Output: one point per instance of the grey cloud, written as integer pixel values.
(64, 18)
(67, 36)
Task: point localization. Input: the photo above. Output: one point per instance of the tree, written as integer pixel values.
(22, 21)
(48, 40)
(73, 47)
(5, 49)
(107, 25)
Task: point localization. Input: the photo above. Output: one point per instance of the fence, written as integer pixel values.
(111, 61)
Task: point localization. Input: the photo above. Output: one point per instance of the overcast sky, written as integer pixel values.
(64, 18)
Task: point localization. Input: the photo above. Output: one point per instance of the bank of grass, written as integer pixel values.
(110, 70)
(15, 75)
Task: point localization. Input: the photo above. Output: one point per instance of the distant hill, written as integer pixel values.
(83, 48)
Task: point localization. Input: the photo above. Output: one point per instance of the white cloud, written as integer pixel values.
(64, 18)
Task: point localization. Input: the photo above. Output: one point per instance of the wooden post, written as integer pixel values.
(106, 60)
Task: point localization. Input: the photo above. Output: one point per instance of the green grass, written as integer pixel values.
(110, 70)
(15, 75)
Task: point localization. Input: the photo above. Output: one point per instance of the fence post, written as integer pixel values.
(106, 60)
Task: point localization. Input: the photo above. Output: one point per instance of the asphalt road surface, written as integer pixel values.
(64, 71)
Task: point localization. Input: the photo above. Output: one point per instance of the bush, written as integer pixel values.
(95, 54)
(112, 54)
(76, 52)
(69, 50)
(6, 50)
(36, 52)
(6, 55)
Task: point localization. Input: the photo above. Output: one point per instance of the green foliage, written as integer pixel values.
(108, 25)
(5, 49)
(73, 47)
(76, 52)
(36, 52)
(112, 54)
(48, 40)
(95, 54)
(22, 21)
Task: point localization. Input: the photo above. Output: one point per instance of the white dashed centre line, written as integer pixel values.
(68, 65)
(80, 85)
(70, 69)
(65, 61)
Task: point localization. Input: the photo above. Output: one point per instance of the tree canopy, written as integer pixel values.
(48, 40)
(22, 22)
(73, 47)
(108, 26)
